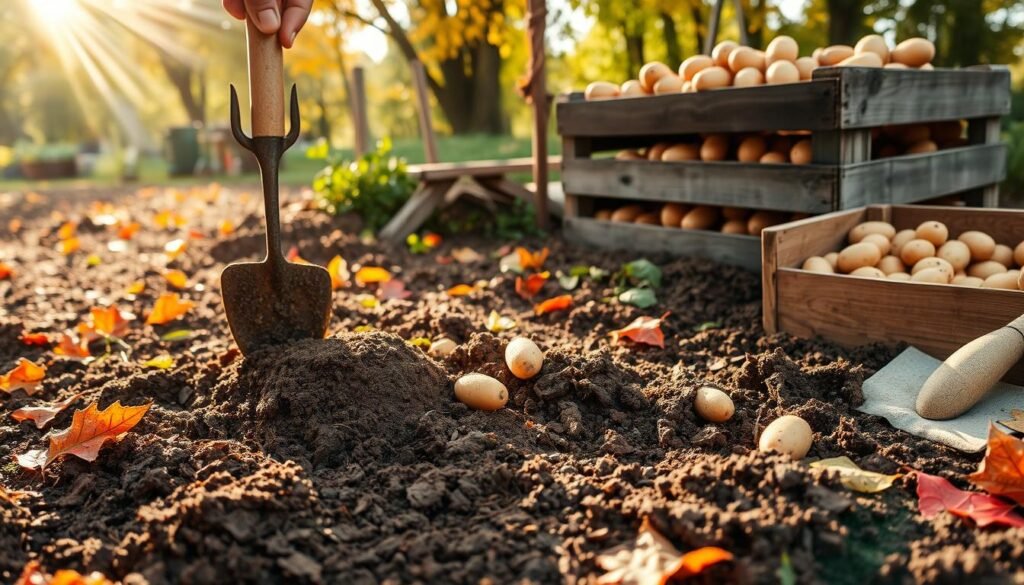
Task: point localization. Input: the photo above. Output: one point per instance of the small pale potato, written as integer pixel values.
(806, 67)
(782, 48)
(715, 148)
(782, 72)
(802, 153)
(789, 435)
(985, 269)
(1018, 254)
(833, 259)
(964, 280)
(862, 60)
(1006, 280)
(742, 57)
(935, 232)
(937, 263)
(693, 65)
(915, 52)
(873, 44)
(632, 88)
(720, 54)
(601, 90)
(735, 213)
(833, 55)
(923, 147)
(481, 392)
(702, 217)
(764, 219)
(857, 255)
(648, 219)
(916, 250)
(735, 226)
(442, 347)
(711, 78)
(603, 214)
(1003, 254)
(896, 66)
(879, 240)
(981, 244)
(898, 276)
(713, 405)
(748, 77)
(870, 227)
(901, 238)
(751, 149)
(775, 158)
(672, 214)
(818, 264)
(657, 151)
(868, 272)
(668, 84)
(681, 152)
(651, 73)
(523, 358)
(628, 155)
(931, 275)
(627, 213)
(891, 264)
(956, 253)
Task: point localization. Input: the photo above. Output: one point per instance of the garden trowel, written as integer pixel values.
(273, 301)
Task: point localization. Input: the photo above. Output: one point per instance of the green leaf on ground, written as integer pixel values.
(639, 297)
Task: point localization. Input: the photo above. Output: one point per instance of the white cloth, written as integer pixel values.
(892, 393)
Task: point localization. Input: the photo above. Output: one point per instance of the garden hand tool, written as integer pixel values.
(273, 301)
(967, 375)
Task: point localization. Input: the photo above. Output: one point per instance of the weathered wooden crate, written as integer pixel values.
(850, 310)
(840, 106)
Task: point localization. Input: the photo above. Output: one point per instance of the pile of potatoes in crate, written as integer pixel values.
(733, 65)
(926, 254)
(727, 220)
(791, 147)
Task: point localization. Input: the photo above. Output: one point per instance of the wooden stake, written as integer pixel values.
(419, 82)
(536, 23)
(360, 119)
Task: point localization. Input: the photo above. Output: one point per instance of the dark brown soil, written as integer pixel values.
(347, 460)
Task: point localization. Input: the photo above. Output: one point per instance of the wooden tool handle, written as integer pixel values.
(266, 82)
(967, 375)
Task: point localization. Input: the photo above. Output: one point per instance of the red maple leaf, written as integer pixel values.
(528, 287)
(646, 330)
(935, 494)
(1002, 471)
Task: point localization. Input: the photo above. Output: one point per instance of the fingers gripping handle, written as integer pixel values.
(266, 82)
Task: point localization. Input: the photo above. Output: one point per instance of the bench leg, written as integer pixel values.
(418, 209)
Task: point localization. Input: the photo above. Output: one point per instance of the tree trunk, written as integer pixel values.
(844, 21)
(674, 53)
(634, 51)
(181, 77)
(697, 14)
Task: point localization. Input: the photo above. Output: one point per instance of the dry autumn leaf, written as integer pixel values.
(393, 289)
(338, 269)
(496, 323)
(559, 303)
(371, 275)
(33, 574)
(528, 287)
(646, 330)
(168, 308)
(652, 560)
(294, 257)
(67, 230)
(34, 339)
(6, 271)
(225, 228)
(42, 415)
(109, 322)
(168, 220)
(25, 376)
(935, 494)
(431, 240)
(1002, 471)
(531, 260)
(13, 497)
(460, 290)
(89, 430)
(467, 256)
(128, 230)
(71, 346)
(160, 362)
(854, 478)
(176, 278)
(1016, 422)
(136, 287)
(69, 246)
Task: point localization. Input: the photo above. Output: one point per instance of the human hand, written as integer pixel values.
(269, 17)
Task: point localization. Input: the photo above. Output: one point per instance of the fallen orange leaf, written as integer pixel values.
(168, 219)
(646, 330)
(38, 339)
(460, 290)
(531, 260)
(696, 561)
(293, 256)
(372, 275)
(194, 234)
(136, 287)
(128, 231)
(33, 574)
(559, 303)
(935, 494)
(651, 559)
(226, 227)
(168, 308)
(70, 346)
(67, 230)
(431, 240)
(26, 375)
(528, 287)
(42, 415)
(338, 269)
(108, 322)
(176, 278)
(6, 271)
(69, 246)
(14, 226)
(174, 248)
(89, 430)
(1002, 471)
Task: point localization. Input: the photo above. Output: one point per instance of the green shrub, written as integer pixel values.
(34, 152)
(375, 186)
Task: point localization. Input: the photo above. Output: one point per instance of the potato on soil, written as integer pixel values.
(713, 405)
(442, 347)
(523, 358)
(858, 255)
(870, 227)
(481, 392)
(789, 435)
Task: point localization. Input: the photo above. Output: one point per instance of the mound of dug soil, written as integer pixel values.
(331, 400)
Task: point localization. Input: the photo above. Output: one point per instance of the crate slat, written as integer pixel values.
(742, 251)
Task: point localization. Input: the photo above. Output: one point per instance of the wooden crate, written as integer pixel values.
(839, 106)
(851, 311)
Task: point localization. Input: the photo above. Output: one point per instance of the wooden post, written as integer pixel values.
(419, 82)
(360, 119)
(536, 22)
(716, 17)
(984, 131)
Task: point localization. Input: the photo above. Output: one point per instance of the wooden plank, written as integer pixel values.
(478, 168)
(742, 251)
(877, 97)
(986, 131)
(794, 106)
(807, 188)
(418, 209)
(574, 149)
(906, 179)
(852, 311)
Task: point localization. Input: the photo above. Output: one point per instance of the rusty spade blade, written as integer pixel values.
(273, 301)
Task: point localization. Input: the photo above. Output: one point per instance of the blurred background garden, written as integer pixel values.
(99, 93)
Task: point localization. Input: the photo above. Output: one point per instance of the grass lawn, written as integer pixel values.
(298, 169)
